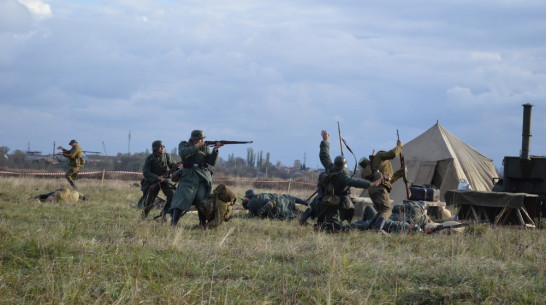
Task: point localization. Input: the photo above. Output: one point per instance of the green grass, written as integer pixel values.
(100, 251)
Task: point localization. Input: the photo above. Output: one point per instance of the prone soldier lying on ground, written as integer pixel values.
(272, 206)
(62, 195)
(407, 217)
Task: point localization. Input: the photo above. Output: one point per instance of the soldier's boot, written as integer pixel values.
(73, 185)
(146, 210)
(164, 212)
(176, 215)
(305, 216)
(378, 224)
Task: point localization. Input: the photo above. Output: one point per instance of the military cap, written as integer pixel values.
(197, 134)
(72, 142)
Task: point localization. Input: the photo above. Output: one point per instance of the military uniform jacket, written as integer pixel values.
(156, 165)
(285, 206)
(195, 163)
(74, 156)
(381, 162)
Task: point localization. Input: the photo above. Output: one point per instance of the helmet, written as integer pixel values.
(250, 193)
(72, 142)
(364, 162)
(340, 162)
(197, 134)
(157, 144)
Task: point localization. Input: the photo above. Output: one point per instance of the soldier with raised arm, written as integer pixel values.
(381, 167)
(335, 205)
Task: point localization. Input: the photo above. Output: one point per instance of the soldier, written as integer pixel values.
(409, 217)
(155, 171)
(272, 206)
(381, 167)
(195, 182)
(334, 204)
(75, 161)
(62, 195)
(217, 208)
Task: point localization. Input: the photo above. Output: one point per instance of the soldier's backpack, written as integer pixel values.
(329, 199)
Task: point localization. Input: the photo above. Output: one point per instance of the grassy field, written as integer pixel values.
(99, 251)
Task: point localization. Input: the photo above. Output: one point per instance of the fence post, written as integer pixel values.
(102, 180)
(289, 182)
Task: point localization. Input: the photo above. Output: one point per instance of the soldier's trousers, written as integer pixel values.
(381, 201)
(72, 174)
(152, 194)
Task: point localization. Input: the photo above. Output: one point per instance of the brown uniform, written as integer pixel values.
(75, 161)
(380, 194)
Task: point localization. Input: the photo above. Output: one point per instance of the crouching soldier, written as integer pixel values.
(272, 206)
(156, 177)
(217, 208)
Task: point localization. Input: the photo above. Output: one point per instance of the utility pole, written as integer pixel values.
(129, 146)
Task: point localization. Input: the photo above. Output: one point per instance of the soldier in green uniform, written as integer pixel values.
(381, 167)
(75, 161)
(195, 177)
(272, 206)
(335, 206)
(155, 169)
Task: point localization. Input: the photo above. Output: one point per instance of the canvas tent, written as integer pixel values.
(440, 158)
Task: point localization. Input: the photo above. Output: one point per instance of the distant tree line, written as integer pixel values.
(255, 165)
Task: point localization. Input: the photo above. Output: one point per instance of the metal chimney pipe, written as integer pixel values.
(526, 136)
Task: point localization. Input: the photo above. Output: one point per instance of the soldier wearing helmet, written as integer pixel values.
(272, 206)
(155, 171)
(333, 205)
(381, 167)
(195, 183)
(75, 161)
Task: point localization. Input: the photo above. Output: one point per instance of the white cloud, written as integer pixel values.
(38, 8)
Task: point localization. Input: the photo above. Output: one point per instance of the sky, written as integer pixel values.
(272, 72)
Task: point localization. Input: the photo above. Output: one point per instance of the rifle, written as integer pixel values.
(224, 142)
(453, 226)
(165, 175)
(341, 139)
(404, 173)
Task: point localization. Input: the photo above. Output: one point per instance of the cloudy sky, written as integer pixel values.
(275, 72)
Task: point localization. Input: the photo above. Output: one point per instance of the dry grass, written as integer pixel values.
(100, 252)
